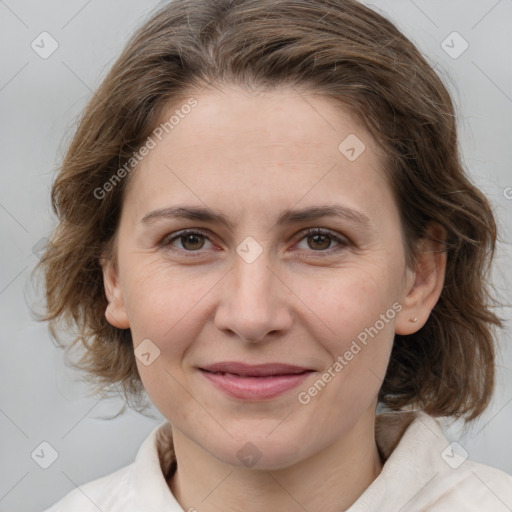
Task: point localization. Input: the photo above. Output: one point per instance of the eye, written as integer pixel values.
(319, 240)
(190, 241)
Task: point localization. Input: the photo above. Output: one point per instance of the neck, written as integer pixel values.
(329, 481)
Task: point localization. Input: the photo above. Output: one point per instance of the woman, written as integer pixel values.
(266, 227)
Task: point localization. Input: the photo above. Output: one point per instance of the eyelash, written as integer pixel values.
(169, 239)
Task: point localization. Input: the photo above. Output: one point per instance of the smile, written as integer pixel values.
(254, 383)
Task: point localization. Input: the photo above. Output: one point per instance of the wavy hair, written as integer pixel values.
(338, 48)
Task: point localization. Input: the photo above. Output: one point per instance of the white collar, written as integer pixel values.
(414, 474)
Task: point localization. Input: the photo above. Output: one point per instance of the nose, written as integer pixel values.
(255, 303)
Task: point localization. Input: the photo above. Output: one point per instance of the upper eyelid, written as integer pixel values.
(187, 231)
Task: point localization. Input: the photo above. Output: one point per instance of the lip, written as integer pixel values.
(255, 382)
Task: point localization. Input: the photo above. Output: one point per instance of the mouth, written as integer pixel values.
(255, 382)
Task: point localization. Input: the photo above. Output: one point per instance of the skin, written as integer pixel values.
(249, 156)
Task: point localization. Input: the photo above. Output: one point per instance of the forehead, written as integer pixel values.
(260, 149)
(281, 117)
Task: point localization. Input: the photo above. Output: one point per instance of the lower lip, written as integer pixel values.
(255, 388)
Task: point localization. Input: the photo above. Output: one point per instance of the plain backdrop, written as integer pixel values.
(42, 400)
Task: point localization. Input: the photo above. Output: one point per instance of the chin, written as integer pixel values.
(261, 452)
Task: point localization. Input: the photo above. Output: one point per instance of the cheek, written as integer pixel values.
(351, 300)
(359, 309)
(166, 305)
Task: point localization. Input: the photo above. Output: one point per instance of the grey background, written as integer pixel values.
(43, 400)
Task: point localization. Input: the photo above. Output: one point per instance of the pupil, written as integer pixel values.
(325, 237)
(191, 238)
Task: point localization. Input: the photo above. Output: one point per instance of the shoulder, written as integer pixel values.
(454, 481)
(111, 492)
(458, 483)
(139, 486)
(424, 471)
(471, 487)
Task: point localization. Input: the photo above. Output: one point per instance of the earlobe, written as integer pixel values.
(115, 312)
(424, 284)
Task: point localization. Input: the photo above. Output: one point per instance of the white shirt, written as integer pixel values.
(422, 472)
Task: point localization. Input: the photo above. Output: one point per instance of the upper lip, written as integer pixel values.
(257, 370)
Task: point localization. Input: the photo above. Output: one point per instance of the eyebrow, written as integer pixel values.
(287, 217)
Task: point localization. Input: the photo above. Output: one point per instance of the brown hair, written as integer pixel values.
(338, 48)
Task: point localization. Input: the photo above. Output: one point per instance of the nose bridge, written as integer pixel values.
(253, 278)
(254, 302)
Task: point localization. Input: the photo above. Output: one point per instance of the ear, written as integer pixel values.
(424, 283)
(115, 313)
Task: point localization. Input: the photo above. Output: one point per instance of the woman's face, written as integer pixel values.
(256, 288)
